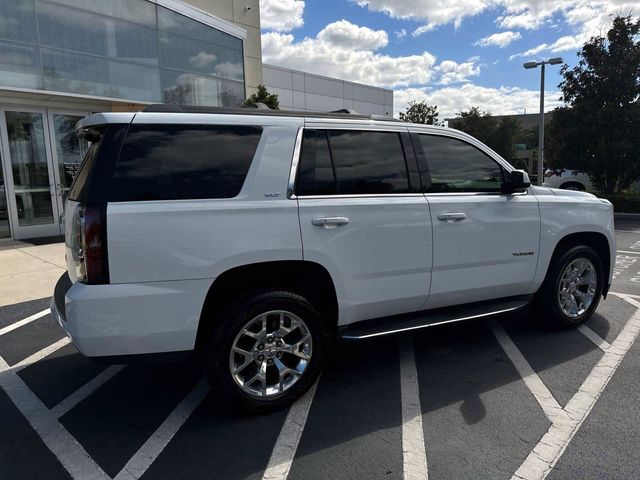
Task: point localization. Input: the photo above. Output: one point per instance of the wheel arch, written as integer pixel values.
(309, 279)
(595, 240)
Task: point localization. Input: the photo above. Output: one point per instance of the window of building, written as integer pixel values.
(352, 162)
(166, 162)
(456, 166)
(128, 49)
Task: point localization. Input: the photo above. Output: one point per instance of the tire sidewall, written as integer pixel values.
(235, 317)
(552, 287)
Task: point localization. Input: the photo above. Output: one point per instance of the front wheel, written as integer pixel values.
(572, 289)
(268, 349)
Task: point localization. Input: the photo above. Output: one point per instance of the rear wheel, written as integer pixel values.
(268, 349)
(572, 290)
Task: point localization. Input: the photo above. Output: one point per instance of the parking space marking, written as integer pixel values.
(627, 251)
(153, 447)
(87, 389)
(542, 394)
(414, 456)
(20, 323)
(62, 444)
(45, 352)
(597, 340)
(550, 448)
(286, 445)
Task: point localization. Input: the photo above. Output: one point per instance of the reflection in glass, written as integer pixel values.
(70, 150)
(117, 49)
(4, 208)
(25, 133)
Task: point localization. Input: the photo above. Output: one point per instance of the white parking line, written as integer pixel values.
(45, 352)
(87, 389)
(598, 341)
(67, 450)
(545, 398)
(286, 445)
(20, 323)
(540, 462)
(627, 251)
(149, 451)
(414, 456)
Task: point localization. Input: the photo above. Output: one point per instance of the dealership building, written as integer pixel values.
(61, 60)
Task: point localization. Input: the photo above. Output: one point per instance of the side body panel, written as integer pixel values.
(491, 253)
(155, 241)
(380, 261)
(564, 212)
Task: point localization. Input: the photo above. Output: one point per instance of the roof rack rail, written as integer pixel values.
(344, 114)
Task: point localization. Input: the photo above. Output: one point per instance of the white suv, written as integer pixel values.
(256, 238)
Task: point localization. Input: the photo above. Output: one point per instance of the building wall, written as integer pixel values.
(246, 14)
(302, 91)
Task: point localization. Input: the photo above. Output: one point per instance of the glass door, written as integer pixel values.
(68, 151)
(29, 186)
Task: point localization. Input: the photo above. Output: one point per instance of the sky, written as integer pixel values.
(455, 54)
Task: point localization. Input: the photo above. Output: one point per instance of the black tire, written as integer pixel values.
(575, 186)
(546, 303)
(230, 320)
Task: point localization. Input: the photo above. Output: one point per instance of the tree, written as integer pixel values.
(498, 135)
(263, 96)
(597, 131)
(420, 112)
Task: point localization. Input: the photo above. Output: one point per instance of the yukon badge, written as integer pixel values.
(522, 254)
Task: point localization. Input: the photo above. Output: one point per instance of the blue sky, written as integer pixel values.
(453, 53)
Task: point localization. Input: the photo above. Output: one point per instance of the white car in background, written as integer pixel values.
(567, 179)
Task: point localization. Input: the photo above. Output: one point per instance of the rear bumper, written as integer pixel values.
(130, 319)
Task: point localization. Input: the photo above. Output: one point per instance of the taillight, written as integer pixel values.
(89, 244)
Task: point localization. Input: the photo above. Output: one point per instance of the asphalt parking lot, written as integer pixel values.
(496, 399)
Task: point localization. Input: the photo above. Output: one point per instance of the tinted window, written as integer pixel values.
(163, 162)
(368, 162)
(456, 166)
(315, 174)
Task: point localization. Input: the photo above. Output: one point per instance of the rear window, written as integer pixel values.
(352, 162)
(175, 162)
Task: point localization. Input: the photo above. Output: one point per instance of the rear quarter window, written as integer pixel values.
(175, 162)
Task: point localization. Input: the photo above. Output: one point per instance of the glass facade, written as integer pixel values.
(128, 49)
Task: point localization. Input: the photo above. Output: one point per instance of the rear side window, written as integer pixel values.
(175, 162)
(352, 162)
(457, 166)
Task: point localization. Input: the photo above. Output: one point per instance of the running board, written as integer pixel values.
(431, 318)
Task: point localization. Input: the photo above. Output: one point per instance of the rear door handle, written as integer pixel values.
(330, 222)
(452, 217)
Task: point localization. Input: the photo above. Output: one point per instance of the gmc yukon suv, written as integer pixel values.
(255, 238)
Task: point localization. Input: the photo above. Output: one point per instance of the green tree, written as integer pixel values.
(263, 96)
(498, 135)
(597, 131)
(420, 112)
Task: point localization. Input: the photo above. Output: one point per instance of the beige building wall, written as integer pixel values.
(246, 14)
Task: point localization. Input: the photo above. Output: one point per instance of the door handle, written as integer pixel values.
(330, 222)
(452, 217)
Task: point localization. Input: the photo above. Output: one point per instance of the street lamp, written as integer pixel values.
(529, 65)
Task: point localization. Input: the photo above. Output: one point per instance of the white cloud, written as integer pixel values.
(281, 15)
(347, 35)
(346, 51)
(202, 59)
(498, 101)
(401, 33)
(501, 39)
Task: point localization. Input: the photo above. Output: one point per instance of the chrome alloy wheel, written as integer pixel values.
(270, 353)
(577, 287)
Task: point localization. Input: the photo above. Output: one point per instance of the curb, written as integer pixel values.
(630, 216)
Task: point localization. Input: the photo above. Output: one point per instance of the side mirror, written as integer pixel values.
(516, 180)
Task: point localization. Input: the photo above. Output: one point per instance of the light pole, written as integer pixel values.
(528, 65)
